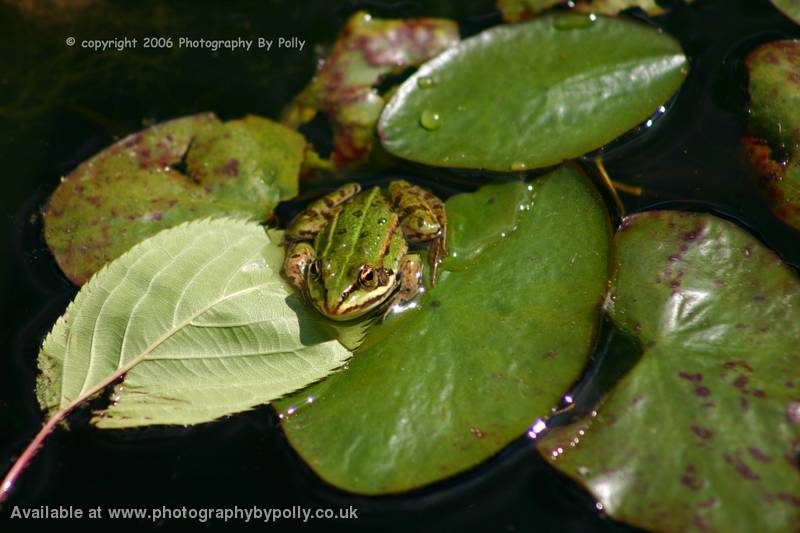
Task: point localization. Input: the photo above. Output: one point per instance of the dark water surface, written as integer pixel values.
(60, 104)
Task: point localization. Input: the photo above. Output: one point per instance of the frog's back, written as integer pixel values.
(362, 229)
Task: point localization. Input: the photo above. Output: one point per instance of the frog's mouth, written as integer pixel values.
(357, 301)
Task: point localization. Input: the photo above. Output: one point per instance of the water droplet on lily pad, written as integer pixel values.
(425, 82)
(518, 166)
(430, 120)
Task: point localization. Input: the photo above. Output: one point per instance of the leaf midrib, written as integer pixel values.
(160, 340)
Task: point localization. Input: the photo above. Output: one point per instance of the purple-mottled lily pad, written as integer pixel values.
(450, 381)
(774, 127)
(702, 434)
(344, 87)
(516, 10)
(131, 190)
(790, 8)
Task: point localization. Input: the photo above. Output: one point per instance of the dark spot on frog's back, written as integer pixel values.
(436, 303)
(341, 231)
(358, 213)
(363, 235)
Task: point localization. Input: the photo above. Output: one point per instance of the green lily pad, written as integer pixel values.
(790, 8)
(131, 190)
(344, 88)
(516, 10)
(774, 127)
(703, 432)
(446, 384)
(534, 94)
(248, 162)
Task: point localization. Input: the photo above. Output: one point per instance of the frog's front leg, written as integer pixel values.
(313, 218)
(299, 257)
(422, 219)
(410, 274)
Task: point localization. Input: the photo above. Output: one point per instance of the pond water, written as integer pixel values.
(61, 104)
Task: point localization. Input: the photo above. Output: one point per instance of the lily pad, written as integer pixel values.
(516, 10)
(248, 162)
(703, 432)
(448, 383)
(132, 190)
(790, 8)
(344, 88)
(774, 143)
(534, 94)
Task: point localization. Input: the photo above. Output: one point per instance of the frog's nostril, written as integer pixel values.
(314, 269)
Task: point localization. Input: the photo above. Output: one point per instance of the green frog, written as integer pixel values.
(348, 252)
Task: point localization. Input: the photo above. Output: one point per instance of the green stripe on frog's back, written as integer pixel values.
(361, 231)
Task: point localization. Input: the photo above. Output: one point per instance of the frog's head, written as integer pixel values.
(350, 294)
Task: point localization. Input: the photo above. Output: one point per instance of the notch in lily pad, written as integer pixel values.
(702, 432)
(133, 189)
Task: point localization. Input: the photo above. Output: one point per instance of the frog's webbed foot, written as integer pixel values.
(410, 274)
(311, 220)
(299, 256)
(422, 218)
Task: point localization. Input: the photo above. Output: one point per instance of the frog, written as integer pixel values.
(349, 253)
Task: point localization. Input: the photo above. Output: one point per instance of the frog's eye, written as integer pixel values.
(367, 277)
(313, 269)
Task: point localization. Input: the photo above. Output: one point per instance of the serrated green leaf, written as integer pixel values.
(198, 324)
(702, 434)
(132, 190)
(534, 94)
(448, 383)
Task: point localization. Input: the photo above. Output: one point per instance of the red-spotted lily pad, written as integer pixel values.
(531, 95)
(703, 433)
(516, 10)
(344, 87)
(774, 142)
(131, 190)
(448, 383)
